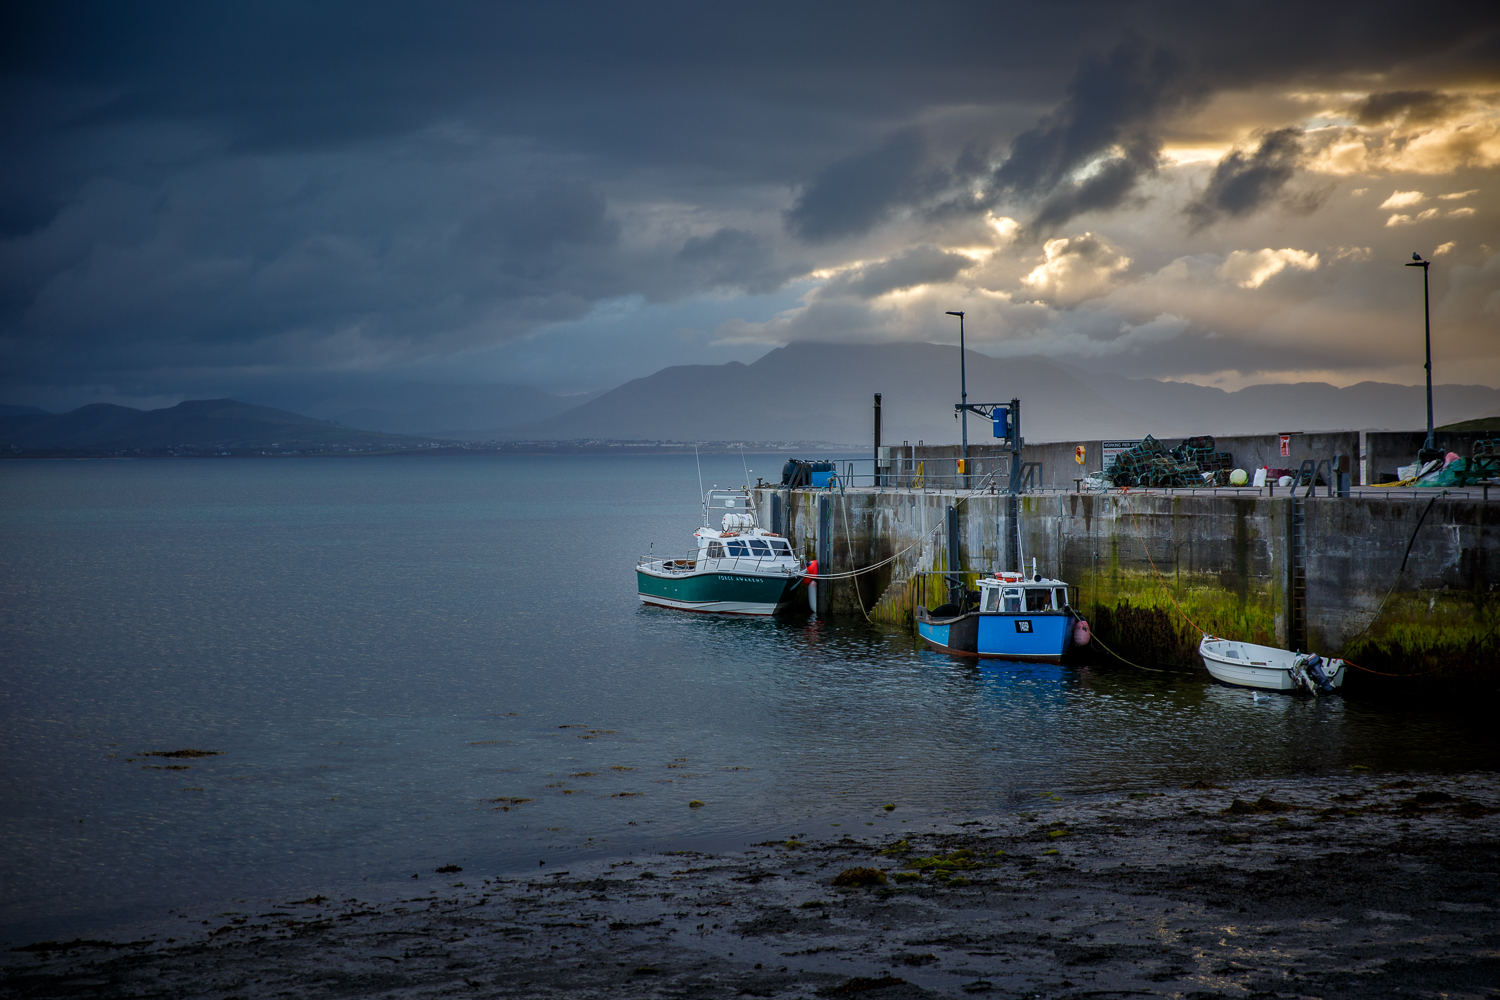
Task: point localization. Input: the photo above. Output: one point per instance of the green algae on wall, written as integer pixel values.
(1152, 620)
(1148, 570)
(928, 589)
(1455, 634)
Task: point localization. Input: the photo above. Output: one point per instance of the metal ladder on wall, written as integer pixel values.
(1297, 628)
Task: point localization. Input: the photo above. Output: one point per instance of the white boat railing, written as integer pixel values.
(724, 564)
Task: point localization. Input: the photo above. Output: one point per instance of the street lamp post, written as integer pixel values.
(1417, 261)
(963, 390)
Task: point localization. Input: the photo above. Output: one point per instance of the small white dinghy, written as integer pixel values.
(1245, 664)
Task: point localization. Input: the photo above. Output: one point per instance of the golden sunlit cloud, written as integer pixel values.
(1404, 199)
(1253, 268)
(1179, 156)
(1423, 216)
(1468, 136)
(1076, 268)
(1005, 227)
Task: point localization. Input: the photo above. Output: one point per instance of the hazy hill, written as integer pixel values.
(1295, 406)
(467, 412)
(197, 425)
(800, 392)
(823, 392)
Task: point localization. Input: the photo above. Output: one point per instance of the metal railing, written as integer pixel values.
(899, 478)
(904, 474)
(683, 565)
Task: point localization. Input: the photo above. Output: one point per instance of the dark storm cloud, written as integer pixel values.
(736, 259)
(1108, 188)
(857, 193)
(918, 266)
(1114, 98)
(1113, 108)
(1413, 106)
(291, 188)
(521, 228)
(1242, 183)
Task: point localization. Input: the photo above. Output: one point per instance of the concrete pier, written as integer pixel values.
(1151, 568)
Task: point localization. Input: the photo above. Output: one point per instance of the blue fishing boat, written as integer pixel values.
(1014, 617)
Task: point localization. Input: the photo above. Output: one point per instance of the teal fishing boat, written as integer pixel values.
(737, 568)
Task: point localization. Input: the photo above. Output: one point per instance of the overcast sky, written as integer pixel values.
(277, 201)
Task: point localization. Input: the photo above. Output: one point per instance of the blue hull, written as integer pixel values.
(1035, 638)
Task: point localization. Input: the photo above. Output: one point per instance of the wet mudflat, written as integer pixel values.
(1330, 886)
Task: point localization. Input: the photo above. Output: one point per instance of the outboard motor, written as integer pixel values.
(1314, 666)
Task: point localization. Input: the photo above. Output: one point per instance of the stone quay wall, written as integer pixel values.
(1148, 569)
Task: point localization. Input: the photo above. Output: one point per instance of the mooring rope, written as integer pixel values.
(887, 561)
(1378, 611)
(849, 544)
(1111, 652)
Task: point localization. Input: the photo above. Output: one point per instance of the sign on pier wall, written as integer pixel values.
(1109, 449)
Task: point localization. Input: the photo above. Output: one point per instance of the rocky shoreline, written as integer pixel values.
(1333, 886)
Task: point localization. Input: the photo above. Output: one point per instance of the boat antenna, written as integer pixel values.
(745, 464)
(699, 463)
(1020, 553)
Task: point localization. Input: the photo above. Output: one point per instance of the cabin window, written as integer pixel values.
(715, 550)
(738, 549)
(781, 548)
(991, 599)
(759, 547)
(1060, 596)
(1038, 599)
(1013, 600)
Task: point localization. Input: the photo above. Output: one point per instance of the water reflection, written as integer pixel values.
(384, 650)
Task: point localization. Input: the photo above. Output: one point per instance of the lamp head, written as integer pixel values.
(952, 313)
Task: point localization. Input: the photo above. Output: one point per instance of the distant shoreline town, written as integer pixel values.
(440, 448)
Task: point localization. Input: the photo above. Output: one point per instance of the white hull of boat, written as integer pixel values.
(713, 607)
(1245, 664)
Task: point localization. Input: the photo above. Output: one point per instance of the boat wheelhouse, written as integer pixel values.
(737, 568)
(1013, 618)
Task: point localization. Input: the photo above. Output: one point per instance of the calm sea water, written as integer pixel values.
(382, 648)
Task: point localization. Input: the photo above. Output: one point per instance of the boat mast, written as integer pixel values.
(701, 495)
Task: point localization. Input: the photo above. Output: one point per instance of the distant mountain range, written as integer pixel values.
(457, 412)
(203, 426)
(801, 392)
(824, 391)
